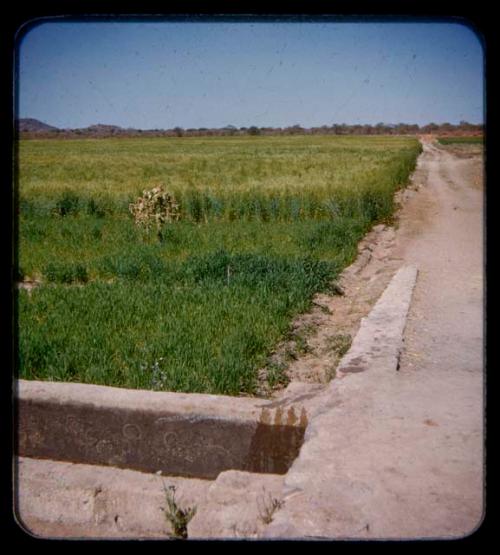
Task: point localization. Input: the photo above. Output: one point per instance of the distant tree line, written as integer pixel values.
(442, 129)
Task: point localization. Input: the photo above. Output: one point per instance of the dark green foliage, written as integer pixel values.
(193, 207)
(253, 270)
(68, 203)
(461, 140)
(211, 334)
(95, 209)
(65, 272)
(335, 234)
(34, 230)
(132, 266)
(170, 235)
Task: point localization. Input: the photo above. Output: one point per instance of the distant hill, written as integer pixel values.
(30, 125)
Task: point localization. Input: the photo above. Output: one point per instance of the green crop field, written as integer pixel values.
(265, 223)
(460, 140)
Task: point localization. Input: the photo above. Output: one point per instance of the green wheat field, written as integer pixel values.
(265, 223)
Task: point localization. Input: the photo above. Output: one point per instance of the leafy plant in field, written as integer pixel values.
(154, 209)
(159, 378)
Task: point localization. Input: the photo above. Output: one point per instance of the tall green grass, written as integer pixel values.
(265, 223)
(102, 244)
(202, 325)
(268, 178)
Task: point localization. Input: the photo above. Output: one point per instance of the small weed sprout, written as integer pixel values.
(331, 372)
(267, 507)
(339, 344)
(159, 377)
(299, 338)
(276, 374)
(154, 209)
(179, 518)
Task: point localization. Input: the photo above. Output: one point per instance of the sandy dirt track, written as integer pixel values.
(442, 364)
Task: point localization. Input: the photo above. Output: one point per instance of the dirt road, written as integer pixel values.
(396, 450)
(441, 233)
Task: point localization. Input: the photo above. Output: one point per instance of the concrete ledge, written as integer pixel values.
(335, 477)
(379, 340)
(61, 499)
(183, 435)
(234, 506)
(66, 500)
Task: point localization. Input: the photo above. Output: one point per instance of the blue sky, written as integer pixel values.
(166, 74)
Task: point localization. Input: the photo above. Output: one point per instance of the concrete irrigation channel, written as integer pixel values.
(81, 447)
(176, 434)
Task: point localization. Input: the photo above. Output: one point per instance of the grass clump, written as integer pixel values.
(276, 375)
(68, 203)
(94, 208)
(267, 506)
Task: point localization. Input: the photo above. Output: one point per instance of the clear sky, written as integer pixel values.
(207, 74)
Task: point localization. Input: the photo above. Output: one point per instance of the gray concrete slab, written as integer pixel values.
(329, 484)
(56, 499)
(237, 505)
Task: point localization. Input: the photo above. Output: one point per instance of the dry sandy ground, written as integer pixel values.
(441, 232)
